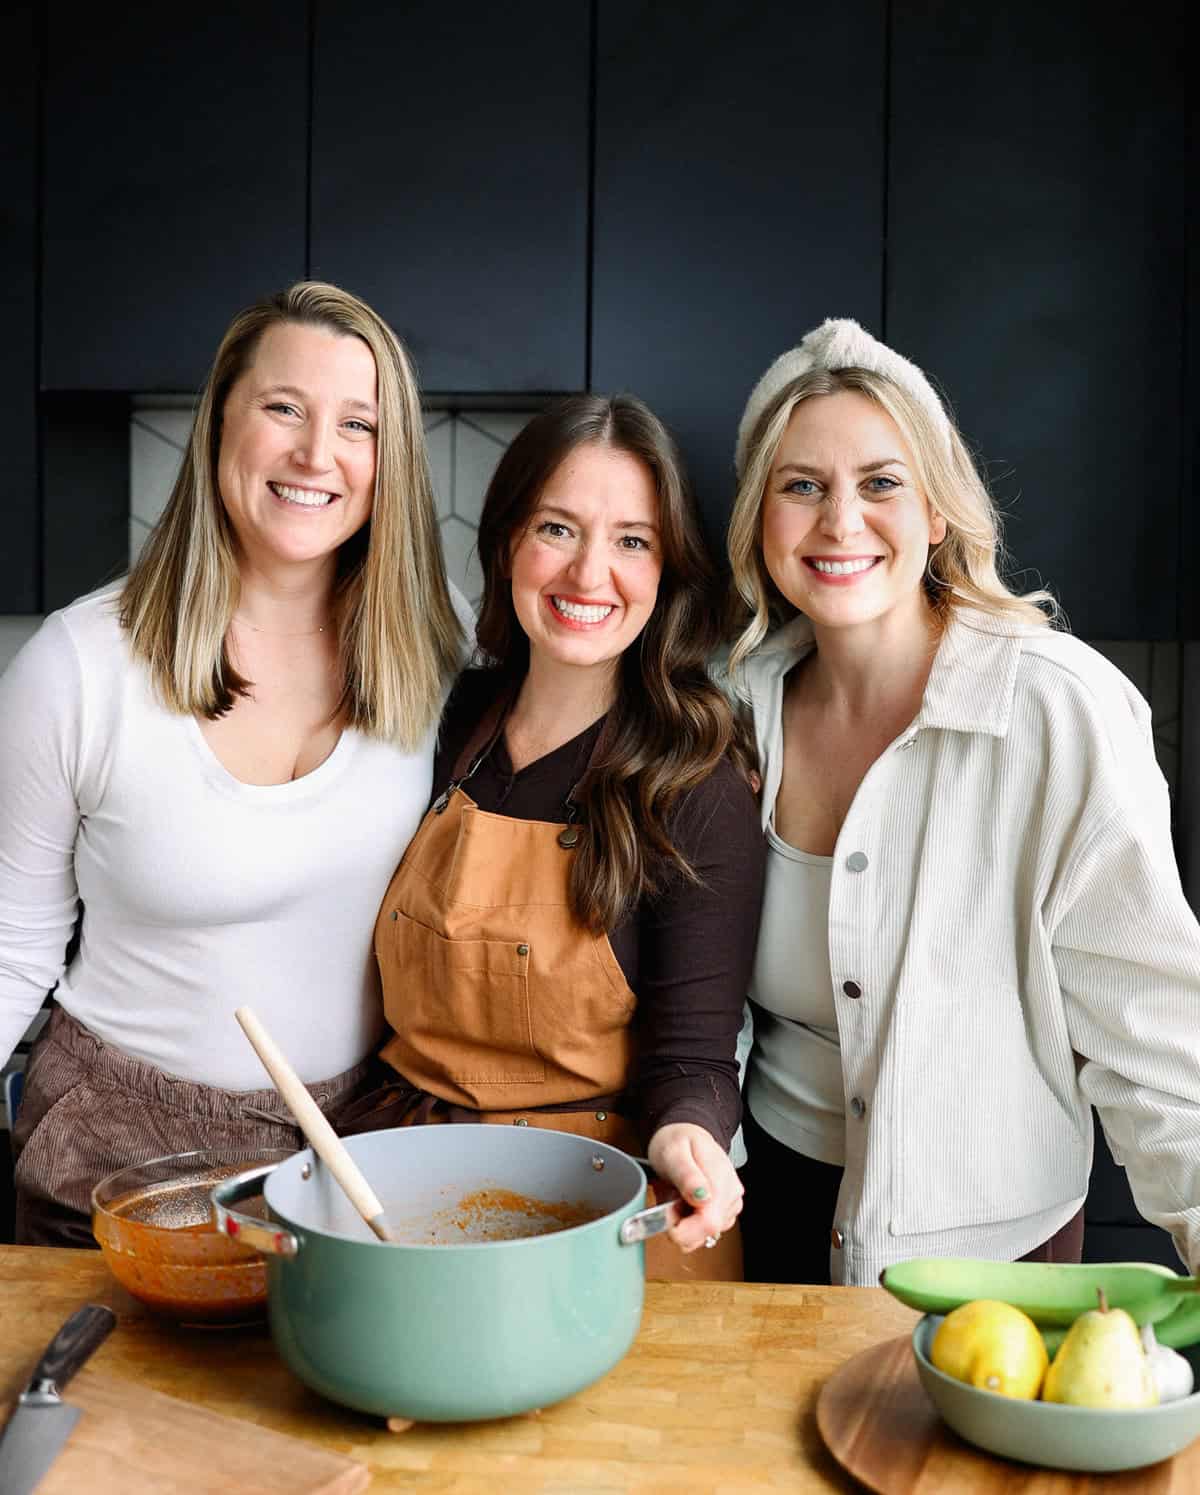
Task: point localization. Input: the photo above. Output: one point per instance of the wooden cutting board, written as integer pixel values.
(880, 1426)
(133, 1441)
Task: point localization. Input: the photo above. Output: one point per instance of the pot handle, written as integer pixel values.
(647, 1222)
(257, 1233)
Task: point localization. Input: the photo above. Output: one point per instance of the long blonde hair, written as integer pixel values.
(398, 637)
(962, 570)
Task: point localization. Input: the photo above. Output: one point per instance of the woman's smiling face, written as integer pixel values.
(585, 565)
(845, 530)
(296, 467)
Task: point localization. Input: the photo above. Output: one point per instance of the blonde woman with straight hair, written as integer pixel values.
(219, 763)
(973, 929)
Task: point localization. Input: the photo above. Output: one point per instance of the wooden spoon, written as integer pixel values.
(322, 1138)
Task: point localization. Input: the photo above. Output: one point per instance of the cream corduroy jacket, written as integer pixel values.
(1005, 894)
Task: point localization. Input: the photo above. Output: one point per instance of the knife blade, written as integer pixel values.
(41, 1421)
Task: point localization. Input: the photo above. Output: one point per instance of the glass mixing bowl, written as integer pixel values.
(154, 1224)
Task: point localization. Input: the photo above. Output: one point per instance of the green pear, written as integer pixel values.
(1101, 1363)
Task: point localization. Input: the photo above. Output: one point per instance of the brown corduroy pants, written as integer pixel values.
(89, 1109)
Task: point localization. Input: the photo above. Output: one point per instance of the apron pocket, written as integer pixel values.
(462, 1006)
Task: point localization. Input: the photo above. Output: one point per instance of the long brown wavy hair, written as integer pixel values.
(669, 725)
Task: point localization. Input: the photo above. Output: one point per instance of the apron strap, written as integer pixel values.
(484, 738)
(486, 735)
(480, 743)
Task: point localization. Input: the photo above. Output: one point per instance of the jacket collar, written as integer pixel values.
(971, 684)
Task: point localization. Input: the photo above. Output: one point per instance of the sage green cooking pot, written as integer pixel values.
(449, 1333)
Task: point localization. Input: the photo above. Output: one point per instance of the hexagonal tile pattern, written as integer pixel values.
(174, 426)
(462, 560)
(476, 455)
(138, 531)
(439, 442)
(153, 466)
(464, 448)
(500, 425)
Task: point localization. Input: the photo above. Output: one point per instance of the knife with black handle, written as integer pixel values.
(41, 1421)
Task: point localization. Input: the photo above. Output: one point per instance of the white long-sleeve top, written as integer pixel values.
(1005, 895)
(200, 893)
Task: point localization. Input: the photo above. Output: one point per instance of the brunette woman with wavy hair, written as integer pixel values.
(568, 939)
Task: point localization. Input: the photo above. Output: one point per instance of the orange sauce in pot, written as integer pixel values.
(493, 1214)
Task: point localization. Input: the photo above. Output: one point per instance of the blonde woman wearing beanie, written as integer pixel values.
(973, 928)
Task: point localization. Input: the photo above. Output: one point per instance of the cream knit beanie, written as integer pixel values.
(838, 343)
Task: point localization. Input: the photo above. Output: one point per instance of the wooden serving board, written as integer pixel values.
(134, 1441)
(880, 1426)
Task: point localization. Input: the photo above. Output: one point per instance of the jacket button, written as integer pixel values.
(852, 989)
(520, 1121)
(835, 1238)
(857, 862)
(858, 1108)
(395, 914)
(601, 1115)
(522, 949)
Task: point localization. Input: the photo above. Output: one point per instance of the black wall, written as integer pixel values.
(20, 555)
(1036, 263)
(738, 202)
(657, 195)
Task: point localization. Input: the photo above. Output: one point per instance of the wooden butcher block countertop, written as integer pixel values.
(718, 1395)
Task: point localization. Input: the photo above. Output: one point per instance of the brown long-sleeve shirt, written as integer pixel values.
(686, 953)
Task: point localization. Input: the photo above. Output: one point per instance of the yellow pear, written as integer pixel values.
(991, 1345)
(1101, 1363)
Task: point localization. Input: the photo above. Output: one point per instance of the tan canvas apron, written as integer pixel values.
(500, 1000)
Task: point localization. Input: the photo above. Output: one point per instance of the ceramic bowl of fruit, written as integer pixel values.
(1109, 1398)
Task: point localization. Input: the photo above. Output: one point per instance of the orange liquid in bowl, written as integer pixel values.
(162, 1246)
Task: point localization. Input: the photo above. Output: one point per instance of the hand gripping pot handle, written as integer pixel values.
(260, 1234)
(648, 1222)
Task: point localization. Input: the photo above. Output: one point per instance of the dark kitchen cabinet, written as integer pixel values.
(19, 591)
(1036, 200)
(738, 201)
(450, 184)
(85, 493)
(175, 183)
(1113, 1228)
(1190, 535)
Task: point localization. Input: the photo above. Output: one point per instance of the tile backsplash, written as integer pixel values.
(464, 448)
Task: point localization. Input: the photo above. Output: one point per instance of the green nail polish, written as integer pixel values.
(700, 1193)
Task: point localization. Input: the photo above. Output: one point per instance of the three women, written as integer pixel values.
(972, 927)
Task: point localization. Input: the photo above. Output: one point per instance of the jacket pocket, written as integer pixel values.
(459, 1008)
(980, 1137)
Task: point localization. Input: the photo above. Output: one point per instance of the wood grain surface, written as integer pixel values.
(717, 1397)
(134, 1441)
(880, 1425)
